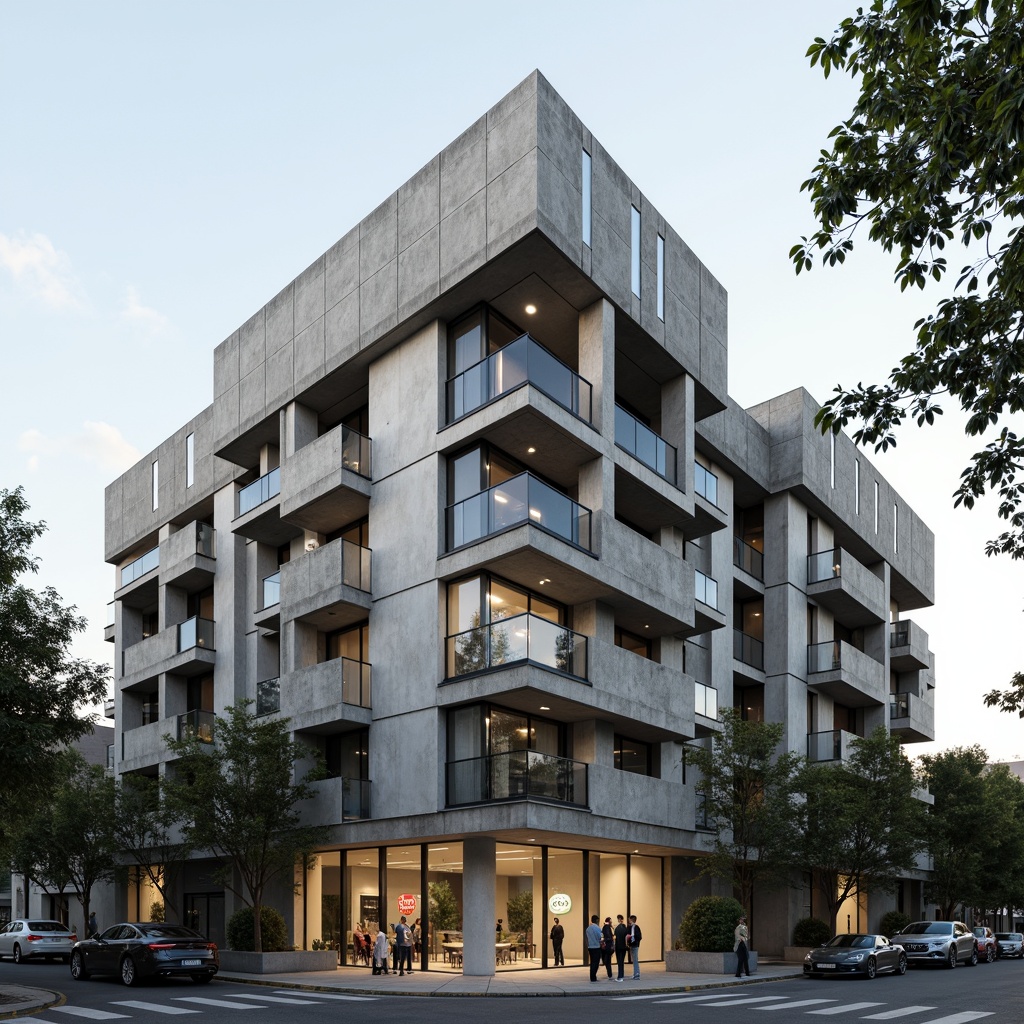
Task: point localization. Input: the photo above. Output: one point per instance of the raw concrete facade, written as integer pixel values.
(478, 463)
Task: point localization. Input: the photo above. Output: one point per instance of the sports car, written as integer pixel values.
(856, 954)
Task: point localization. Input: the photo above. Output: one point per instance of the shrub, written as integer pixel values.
(893, 923)
(709, 923)
(240, 931)
(811, 931)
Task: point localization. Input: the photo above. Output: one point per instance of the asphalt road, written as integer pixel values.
(989, 992)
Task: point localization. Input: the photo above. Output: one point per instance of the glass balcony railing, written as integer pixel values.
(516, 775)
(255, 494)
(268, 696)
(705, 700)
(705, 589)
(355, 451)
(111, 762)
(355, 683)
(644, 444)
(143, 564)
(825, 746)
(825, 657)
(705, 483)
(899, 705)
(824, 565)
(899, 634)
(272, 589)
(205, 540)
(748, 558)
(748, 649)
(355, 799)
(355, 566)
(520, 499)
(702, 818)
(197, 724)
(517, 639)
(195, 632)
(523, 361)
(110, 613)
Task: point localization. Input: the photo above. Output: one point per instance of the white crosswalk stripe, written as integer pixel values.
(903, 1011)
(726, 1002)
(340, 998)
(960, 1018)
(846, 1008)
(291, 1000)
(139, 1004)
(224, 1003)
(88, 1012)
(796, 1003)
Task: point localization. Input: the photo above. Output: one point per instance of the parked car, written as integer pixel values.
(149, 950)
(27, 940)
(938, 942)
(856, 954)
(988, 946)
(1011, 944)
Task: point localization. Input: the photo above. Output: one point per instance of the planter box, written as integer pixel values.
(681, 961)
(289, 961)
(795, 954)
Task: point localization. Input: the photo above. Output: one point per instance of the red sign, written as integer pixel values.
(406, 904)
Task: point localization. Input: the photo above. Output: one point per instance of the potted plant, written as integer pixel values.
(706, 935)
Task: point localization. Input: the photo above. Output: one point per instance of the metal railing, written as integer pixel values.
(644, 444)
(746, 557)
(899, 705)
(825, 565)
(355, 799)
(705, 701)
(519, 638)
(523, 361)
(143, 564)
(355, 451)
(705, 483)
(520, 499)
(748, 649)
(355, 565)
(825, 746)
(516, 775)
(196, 724)
(195, 632)
(268, 696)
(272, 589)
(255, 494)
(705, 589)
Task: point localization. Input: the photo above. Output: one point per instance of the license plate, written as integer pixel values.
(825, 967)
(191, 963)
(55, 939)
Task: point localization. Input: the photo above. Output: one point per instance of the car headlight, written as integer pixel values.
(855, 958)
(808, 958)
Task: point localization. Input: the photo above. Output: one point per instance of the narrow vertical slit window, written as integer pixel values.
(156, 484)
(876, 506)
(856, 486)
(661, 278)
(895, 528)
(588, 170)
(635, 252)
(190, 460)
(832, 459)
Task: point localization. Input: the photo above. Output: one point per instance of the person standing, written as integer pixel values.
(607, 945)
(380, 953)
(633, 937)
(557, 938)
(741, 946)
(594, 945)
(94, 928)
(403, 946)
(620, 933)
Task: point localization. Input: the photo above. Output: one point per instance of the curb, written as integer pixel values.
(57, 999)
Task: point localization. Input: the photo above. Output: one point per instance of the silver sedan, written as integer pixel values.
(27, 939)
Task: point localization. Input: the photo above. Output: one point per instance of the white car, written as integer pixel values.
(938, 942)
(25, 940)
(1011, 944)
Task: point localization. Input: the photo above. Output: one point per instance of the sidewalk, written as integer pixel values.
(17, 1000)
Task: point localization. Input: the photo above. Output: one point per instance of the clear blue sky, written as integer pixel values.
(167, 167)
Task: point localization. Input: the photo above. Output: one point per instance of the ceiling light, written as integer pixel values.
(531, 449)
(531, 309)
(543, 581)
(544, 707)
(535, 513)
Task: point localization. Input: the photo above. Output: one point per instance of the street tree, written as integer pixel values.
(863, 826)
(748, 787)
(1002, 873)
(929, 160)
(238, 798)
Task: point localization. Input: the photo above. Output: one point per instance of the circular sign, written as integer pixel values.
(406, 903)
(560, 903)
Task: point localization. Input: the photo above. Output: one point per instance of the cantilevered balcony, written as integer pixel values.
(188, 557)
(196, 725)
(516, 775)
(138, 580)
(326, 483)
(329, 587)
(846, 674)
(840, 583)
(512, 641)
(707, 615)
(258, 511)
(645, 445)
(908, 647)
(268, 615)
(709, 517)
(521, 362)
(911, 718)
(336, 801)
(834, 745)
(518, 500)
(185, 649)
(327, 696)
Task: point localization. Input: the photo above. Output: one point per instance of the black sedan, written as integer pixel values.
(148, 950)
(856, 954)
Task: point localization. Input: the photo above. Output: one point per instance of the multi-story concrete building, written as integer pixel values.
(484, 445)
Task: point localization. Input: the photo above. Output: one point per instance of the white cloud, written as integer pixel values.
(41, 270)
(134, 311)
(97, 442)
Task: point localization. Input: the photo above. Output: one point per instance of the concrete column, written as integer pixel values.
(478, 894)
(300, 426)
(308, 923)
(597, 362)
(677, 426)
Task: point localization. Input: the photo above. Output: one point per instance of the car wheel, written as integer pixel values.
(872, 968)
(129, 973)
(78, 971)
(901, 965)
(951, 957)
(17, 958)
(974, 956)
(202, 979)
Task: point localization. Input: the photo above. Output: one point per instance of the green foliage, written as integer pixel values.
(811, 931)
(929, 161)
(893, 923)
(241, 933)
(520, 912)
(709, 924)
(862, 824)
(156, 911)
(749, 803)
(237, 798)
(444, 908)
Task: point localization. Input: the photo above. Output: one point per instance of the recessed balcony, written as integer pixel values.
(516, 775)
(268, 616)
(846, 674)
(748, 558)
(748, 650)
(840, 583)
(705, 603)
(196, 724)
(833, 745)
(336, 801)
(258, 511)
(708, 516)
(645, 445)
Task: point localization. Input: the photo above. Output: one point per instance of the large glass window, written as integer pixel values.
(633, 756)
(348, 755)
(632, 642)
(362, 895)
(565, 901)
(476, 336)
(444, 893)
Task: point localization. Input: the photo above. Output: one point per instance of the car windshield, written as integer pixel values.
(1009, 936)
(46, 926)
(929, 928)
(168, 931)
(851, 942)
(981, 932)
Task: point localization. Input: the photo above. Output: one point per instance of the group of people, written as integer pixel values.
(407, 940)
(604, 940)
